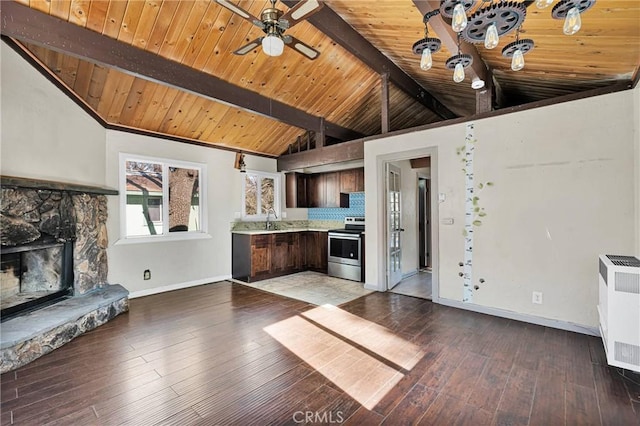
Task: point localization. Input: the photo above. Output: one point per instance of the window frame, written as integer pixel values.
(166, 163)
(277, 201)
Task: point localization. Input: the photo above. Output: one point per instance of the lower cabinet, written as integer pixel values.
(316, 251)
(261, 256)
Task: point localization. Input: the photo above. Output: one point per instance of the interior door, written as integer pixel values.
(394, 211)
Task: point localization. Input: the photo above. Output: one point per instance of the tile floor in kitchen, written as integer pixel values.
(312, 287)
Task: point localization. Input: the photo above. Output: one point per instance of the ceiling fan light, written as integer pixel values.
(491, 39)
(459, 18)
(541, 4)
(572, 22)
(458, 73)
(425, 59)
(517, 60)
(272, 45)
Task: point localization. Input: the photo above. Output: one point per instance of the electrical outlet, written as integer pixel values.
(536, 297)
(147, 274)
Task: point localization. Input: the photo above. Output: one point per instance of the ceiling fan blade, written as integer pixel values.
(301, 11)
(241, 12)
(300, 47)
(248, 47)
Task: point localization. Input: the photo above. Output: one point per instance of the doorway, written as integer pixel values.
(415, 219)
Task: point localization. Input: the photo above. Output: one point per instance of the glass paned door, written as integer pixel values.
(394, 212)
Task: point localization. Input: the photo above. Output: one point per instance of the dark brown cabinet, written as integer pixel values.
(285, 249)
(316, 246)
(296, 190)
(329, 189)
(352, 180)
(261, 256)
(316, 193)
(332, 189)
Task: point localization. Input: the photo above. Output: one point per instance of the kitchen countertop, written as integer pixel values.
(277, 231)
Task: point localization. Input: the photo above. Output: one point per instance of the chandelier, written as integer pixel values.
(490, 21)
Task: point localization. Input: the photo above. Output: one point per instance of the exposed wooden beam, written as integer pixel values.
(449, 39)
(321, 137)
(384, 83)
(331, 24)
(29, 25)
(484, 96)
(347, 151)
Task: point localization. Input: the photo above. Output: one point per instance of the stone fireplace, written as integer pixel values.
(54, 259)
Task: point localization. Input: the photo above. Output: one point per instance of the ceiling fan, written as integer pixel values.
(274, 23)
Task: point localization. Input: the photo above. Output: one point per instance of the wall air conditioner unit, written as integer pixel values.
(619, 310)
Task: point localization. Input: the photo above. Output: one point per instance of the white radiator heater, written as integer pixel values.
(619, 310)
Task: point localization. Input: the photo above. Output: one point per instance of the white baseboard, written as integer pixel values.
(532, 319)
(178, 286)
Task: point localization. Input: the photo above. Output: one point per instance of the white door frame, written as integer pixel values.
(381, 161)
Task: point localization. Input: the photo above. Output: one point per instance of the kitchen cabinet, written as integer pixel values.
(296, 190)
(352, 180)
(316, 190)
(285, 253)
(260, 256)
(316, 247)
(329, 189)
(332, 189)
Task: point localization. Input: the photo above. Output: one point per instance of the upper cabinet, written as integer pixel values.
(296, 190)
(323, 189)
(352, 180)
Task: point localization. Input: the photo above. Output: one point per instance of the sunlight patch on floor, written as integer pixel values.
(366, 373)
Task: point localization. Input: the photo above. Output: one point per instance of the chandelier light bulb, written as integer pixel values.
(517, 60)
(458, 73)
(425, 60)
(459, 18)
(272, 45)
(541, 4)
(491, 39)
(572, 22)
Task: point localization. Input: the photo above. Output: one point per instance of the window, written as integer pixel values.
(260, 195)
(161, 197)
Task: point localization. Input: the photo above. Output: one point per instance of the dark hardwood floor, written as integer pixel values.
(229, 354)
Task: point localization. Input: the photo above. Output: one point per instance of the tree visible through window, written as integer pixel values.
(162, 197)
(261, 195)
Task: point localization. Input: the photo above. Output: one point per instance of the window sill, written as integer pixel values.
(163, 238)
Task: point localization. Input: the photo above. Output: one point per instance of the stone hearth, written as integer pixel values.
(33, 212)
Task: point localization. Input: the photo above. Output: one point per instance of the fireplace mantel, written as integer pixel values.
(21, 182)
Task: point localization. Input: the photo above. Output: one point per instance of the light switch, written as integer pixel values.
(442, 197)
(447, 221)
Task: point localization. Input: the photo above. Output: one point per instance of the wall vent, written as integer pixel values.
(627, 353)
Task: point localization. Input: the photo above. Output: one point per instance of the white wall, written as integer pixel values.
(636, 115)
(45, 135)
(563, 193)
(178, 263)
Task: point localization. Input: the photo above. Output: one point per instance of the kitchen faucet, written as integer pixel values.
(268, 224)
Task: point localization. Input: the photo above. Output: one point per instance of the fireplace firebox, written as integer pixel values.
(35, 275)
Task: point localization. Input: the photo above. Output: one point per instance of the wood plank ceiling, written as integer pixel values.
(338, 87)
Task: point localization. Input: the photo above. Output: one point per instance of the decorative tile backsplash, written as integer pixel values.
(356, 208)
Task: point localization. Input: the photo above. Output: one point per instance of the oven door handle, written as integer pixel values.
(344, 236)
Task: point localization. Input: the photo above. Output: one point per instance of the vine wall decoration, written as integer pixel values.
(473, 212)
